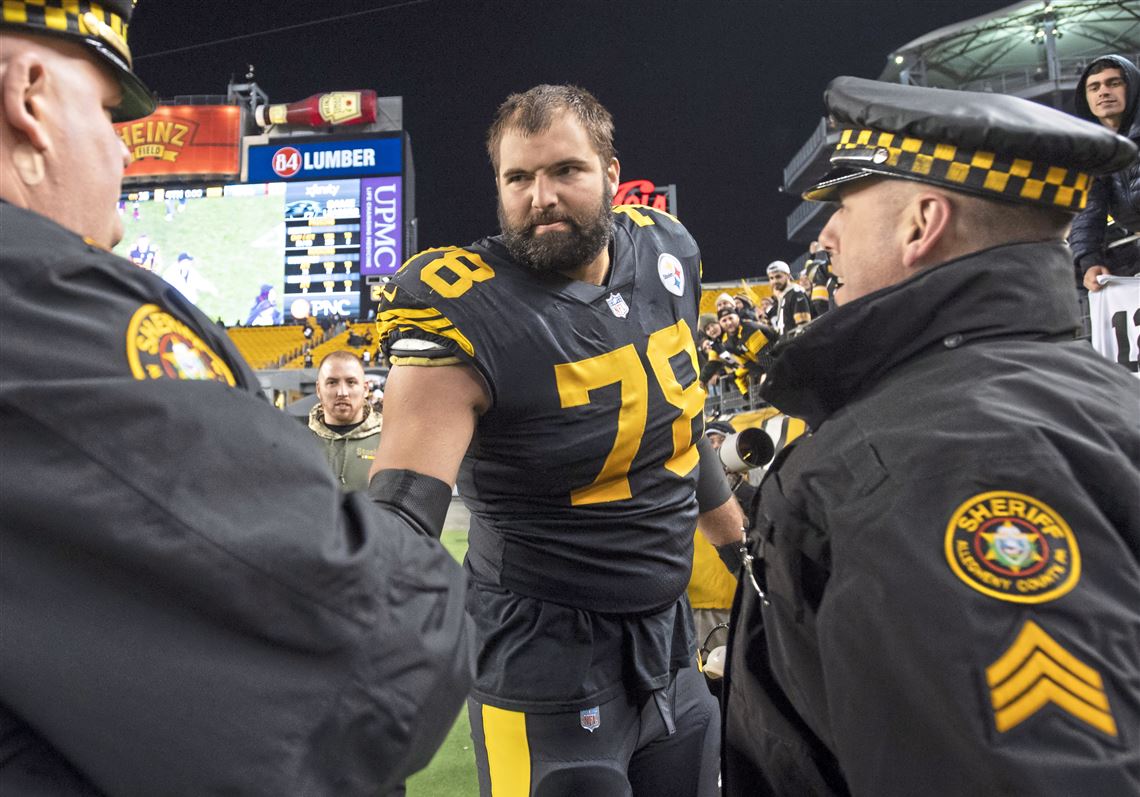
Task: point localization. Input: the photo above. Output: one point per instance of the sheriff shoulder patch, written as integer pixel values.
(159, 346)
(1012, 547)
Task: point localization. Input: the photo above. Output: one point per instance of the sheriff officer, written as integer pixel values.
(946, 593)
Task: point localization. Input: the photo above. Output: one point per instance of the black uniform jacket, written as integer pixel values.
(190, 605)
(951, 560)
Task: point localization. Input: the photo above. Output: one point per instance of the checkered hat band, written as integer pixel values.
(67, 16)
(976, 171)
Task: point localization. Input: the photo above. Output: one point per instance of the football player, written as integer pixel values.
(552, 370)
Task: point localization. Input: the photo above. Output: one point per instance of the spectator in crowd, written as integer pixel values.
(1109, 93)
(715, 361)
(803, 279)
(751, 343)
(191, 606)
(723, 301)
(814, 279)
(945, 594)
(579, 550)
(791, 307)
(343, 419)
(307, 360)
(745, 308)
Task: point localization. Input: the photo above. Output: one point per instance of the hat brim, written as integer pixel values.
(827, 189)
(138, 101)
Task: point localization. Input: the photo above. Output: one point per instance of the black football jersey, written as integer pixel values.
(580, 478)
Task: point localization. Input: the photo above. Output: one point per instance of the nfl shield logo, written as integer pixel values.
(591, 718)
(617, 305)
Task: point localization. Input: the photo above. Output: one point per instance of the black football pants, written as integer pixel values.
(653, 744)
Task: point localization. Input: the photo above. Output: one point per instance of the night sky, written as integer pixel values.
(714, 97)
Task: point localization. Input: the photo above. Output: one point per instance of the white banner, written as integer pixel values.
(1115, 318)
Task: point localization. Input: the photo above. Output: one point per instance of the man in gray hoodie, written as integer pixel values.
(1108, 93)
(343, 419)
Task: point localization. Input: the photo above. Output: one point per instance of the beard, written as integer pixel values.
(559, 250)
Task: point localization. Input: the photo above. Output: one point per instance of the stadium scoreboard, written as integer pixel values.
(311, 222)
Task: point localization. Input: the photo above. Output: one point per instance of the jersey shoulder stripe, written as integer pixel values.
(427, 281)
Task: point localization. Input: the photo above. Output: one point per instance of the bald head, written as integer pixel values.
(59, 154)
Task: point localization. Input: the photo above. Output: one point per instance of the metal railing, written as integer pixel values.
(1015, 80)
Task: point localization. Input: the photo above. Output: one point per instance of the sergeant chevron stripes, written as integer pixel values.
(1037, 671)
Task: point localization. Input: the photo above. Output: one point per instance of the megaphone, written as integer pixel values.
(747, 449)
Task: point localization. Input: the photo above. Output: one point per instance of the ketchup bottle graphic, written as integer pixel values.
(328, 108)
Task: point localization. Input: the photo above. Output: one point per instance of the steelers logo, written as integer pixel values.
(671, 274)
(1012, 547)
(159, 346)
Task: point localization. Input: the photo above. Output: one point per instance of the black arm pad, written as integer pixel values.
(712, 486)
(423, 500)
(732, 554)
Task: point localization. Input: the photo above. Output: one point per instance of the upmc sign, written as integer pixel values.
(381, 225)
(359, 157)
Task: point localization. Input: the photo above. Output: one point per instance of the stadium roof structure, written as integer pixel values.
(1035, 49)
(1028, 49)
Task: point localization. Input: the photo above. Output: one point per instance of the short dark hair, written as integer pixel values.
(533, 111)
(1101, 64)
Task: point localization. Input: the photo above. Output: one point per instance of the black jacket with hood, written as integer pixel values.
(1117, 194)
(877, 663)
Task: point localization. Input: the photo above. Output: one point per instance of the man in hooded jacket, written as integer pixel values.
(1108, 93)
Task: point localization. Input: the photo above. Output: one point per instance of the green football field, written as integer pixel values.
(452, 772)
(237, 242)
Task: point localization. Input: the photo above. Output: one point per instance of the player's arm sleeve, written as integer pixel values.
(216, 617)
(760, 337)
(820, 299)
(414, 329)
(923, 670)
(801, 307)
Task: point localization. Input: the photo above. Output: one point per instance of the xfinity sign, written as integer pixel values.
(301, 161)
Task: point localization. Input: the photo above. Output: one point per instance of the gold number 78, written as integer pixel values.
(623, 367)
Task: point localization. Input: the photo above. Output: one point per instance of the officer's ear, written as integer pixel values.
(926, 223)
(24, 93)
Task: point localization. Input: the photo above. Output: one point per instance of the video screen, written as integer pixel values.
(251, 254)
